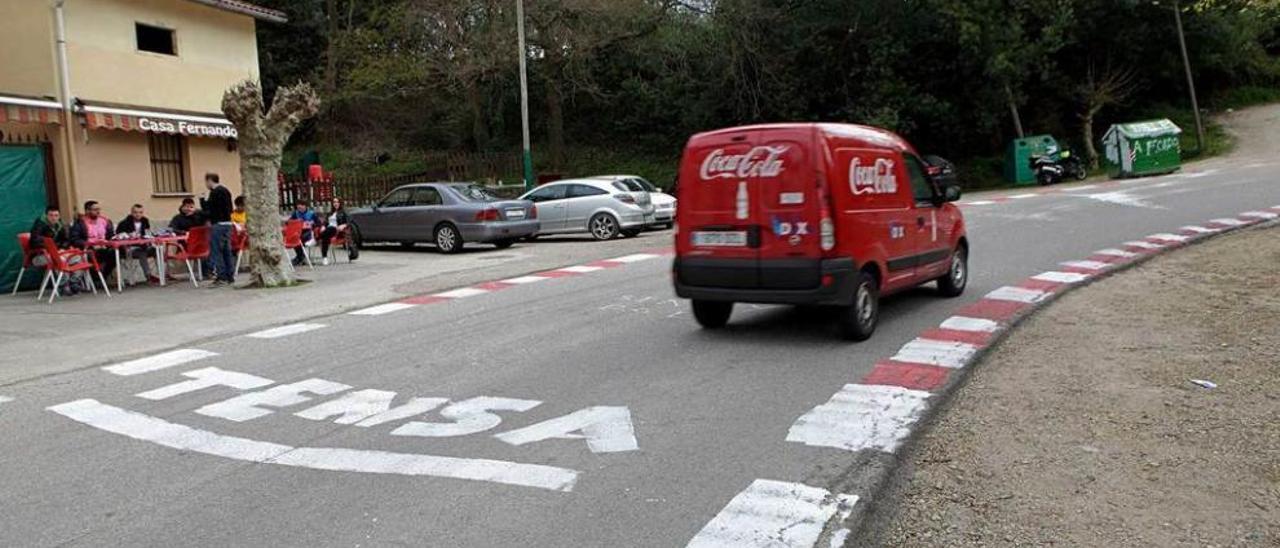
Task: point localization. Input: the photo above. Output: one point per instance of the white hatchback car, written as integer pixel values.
(664, 205)
(603, 207)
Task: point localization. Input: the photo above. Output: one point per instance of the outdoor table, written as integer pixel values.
(158, 243)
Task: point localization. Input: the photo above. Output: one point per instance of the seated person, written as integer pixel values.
(92, 226)
(187, 218)
(302, 212)
(239, 216)
(50, 226)
(334, 225)
(137, 225)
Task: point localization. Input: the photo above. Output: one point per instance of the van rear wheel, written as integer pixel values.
(858, 321)
(712, 314)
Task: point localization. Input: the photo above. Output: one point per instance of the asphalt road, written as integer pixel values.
(619, 422)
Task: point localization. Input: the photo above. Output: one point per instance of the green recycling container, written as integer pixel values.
(1017, 162)
(1143, 148)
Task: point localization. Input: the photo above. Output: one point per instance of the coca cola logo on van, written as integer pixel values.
(760, 161)
(878, 178)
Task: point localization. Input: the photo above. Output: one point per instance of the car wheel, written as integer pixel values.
(712, 314)
(630, 233)
(603, 226)
(447, 239)
(858, 320)
(503, 244)
(957, 277)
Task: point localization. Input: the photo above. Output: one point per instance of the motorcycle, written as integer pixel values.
(1054, 166)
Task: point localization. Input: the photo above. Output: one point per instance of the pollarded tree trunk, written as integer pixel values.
(262, 136)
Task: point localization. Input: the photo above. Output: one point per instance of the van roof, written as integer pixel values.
(870, 135)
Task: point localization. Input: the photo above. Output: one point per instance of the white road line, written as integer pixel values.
(1259, 215)
(940, 353)
(1144, 245)
(1229, 222)
(861, 416)
(1079, 188)
(286, 330)
(964, 323)
(1115, 252)
(1061, 277)
(633, 258)
(581, 269)
(980, 202)
(1165, 236)
(522, 280)
(1018, 294)
(775, 514)
(1199, 229)
(1023, 196)
(461, 293)
(381, 309)
(1087, 265)
(5, 399)
(158, 362)
(184, 438)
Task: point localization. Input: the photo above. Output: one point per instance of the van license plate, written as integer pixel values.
(720, 239)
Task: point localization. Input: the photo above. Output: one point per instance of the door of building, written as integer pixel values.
(22, 184)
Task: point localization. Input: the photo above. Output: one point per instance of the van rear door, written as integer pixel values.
(749, 210)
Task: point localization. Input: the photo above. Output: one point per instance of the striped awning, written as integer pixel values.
(23, 110)
(154, 121)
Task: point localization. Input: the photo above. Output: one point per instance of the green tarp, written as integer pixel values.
(23, 199)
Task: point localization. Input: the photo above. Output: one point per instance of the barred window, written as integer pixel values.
(168, 164)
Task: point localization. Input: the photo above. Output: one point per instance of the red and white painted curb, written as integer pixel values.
(886, 407)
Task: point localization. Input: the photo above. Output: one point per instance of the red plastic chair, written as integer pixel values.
(239, 243)
(24, 242)
(194, 250)
(293, 239)
(59, 264)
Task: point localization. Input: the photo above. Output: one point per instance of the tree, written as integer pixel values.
(1096, 92)
(262, 136)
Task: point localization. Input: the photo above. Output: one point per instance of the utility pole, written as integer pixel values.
(1191, 83)
(527, 155)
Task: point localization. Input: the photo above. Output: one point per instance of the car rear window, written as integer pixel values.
(474, 193)
(646, 185)
(626, 185)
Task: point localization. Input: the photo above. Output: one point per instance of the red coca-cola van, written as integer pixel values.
(812, 214)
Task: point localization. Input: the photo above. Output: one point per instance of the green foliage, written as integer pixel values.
(624, 83)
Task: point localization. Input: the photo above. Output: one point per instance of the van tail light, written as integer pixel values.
(485, 215)
(827, 229)
(533, 211)
(625, 198)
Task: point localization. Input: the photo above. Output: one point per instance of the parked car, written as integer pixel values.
(449, 215)
(603, 207)
(757, 226)
(664, 205)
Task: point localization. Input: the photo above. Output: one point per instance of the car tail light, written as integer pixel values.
(827, 229)
(489, 214)
(625, 198)
(533, 211)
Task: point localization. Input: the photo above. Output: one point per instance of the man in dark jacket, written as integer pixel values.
(187, 218)
(218, 206)
(137, 225)
(48, 226)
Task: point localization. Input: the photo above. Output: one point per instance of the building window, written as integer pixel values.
(168, 164)
(156, 40)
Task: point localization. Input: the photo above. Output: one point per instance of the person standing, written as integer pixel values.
(218, 208)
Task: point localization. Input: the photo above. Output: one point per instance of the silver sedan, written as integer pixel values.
(603, 208)
(446, 214)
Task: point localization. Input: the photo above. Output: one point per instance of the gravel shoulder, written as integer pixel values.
(1083, 428)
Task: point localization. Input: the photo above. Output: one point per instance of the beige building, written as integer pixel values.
(129, 110)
